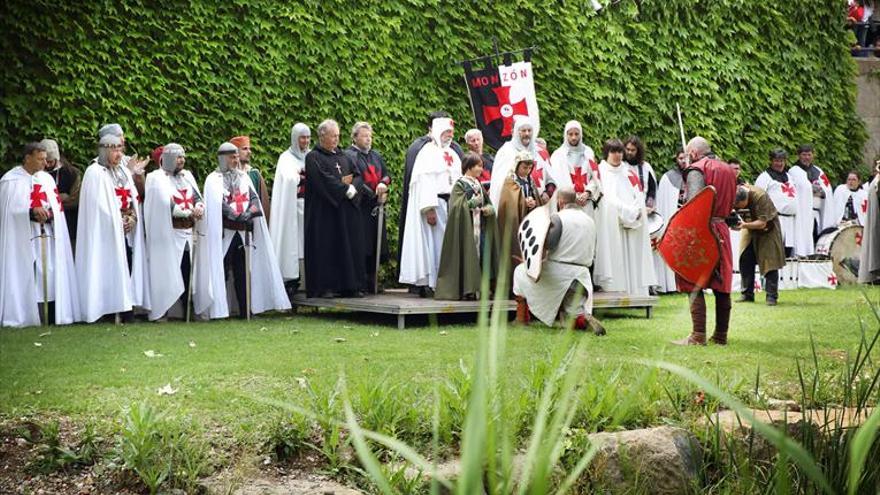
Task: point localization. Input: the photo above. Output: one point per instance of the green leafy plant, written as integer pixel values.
(53, 455)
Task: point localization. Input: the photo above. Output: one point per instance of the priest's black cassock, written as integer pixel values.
(411, 153)
(334, 251)
(373, 171)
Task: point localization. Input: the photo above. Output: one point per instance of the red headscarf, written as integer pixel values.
(241, 141)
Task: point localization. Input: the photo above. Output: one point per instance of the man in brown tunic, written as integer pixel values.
(761, 243)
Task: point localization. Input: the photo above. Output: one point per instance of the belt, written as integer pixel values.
(786, 215)
(239, 226)
(444, 197)
(182, 223)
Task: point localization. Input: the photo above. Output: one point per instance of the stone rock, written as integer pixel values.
(662, 460)
(306, 485)
(783, 405)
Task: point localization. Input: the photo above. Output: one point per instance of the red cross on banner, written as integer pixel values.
(578, 180)
(58, 198)
(185, 201)
(865, 206)
(832, 279)
(634, 179)
(788, 189)
(505, 110)
(124, 196)
(825, 180)
(858, 238)
(447, 158)
(371, 176)
(38, 197)
(238, 202)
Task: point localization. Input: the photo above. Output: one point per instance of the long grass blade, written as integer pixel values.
(780, 440)
(859, 448)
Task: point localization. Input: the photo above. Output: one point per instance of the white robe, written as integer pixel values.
(860, 203)
(286, 223)
(267, 287)
(166, 244)
(567, 263)
(621, 219)
(105, 284)
(21, 264)
(823, 208)
(794, 202)
(667, 205)
(422, 243)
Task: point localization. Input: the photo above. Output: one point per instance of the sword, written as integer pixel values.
(192, 271)
(44, 255)
(687, 157)
(380, 214)
(247, 273)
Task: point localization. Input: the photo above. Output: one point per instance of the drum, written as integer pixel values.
(655, 224)
(842, 246)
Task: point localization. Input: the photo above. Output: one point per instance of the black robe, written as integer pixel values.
(68, 179)
(334, 251)
(372, 169)
(410, 161)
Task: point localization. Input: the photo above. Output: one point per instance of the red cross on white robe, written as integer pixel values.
(634, 179)
(124, 196)
(858, 238)
(58, 198)
(538, 174)
(238, 201)
(832, 279)
(825, 180)
(864, 206)
(185, 201)
(447, 158)
(578, 180)
(595, 168)
(38, 197)
(788, 189)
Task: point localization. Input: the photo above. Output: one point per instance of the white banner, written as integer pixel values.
(520, 78)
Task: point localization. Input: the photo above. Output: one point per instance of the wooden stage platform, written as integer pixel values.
(401, 303)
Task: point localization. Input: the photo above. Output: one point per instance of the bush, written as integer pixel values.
(750, 75)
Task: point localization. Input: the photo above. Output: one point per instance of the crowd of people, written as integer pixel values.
(863, 17)
(116, 241)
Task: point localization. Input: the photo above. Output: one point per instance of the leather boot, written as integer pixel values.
(698, 317)
(522, 311)
(722, 318)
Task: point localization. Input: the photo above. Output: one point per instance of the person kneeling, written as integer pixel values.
(565, 288)
(469, 249)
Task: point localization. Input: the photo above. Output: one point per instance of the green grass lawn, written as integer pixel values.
(89, 371)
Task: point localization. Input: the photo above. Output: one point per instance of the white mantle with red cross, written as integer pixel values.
(797, 274)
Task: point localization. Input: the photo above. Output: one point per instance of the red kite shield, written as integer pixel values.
(689, 244)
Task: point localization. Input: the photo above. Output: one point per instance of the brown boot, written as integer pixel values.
(722, 318)
(698, 317)
(522, 311)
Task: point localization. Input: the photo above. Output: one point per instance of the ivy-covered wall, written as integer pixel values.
(750, 75)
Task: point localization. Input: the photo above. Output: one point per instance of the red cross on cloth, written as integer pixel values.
(788, 189)
(58, 198)
(832, 279)
(538, 174)
(185, 201)
(238, 202)
(371, 176)
(506, 110)
(578, 180)
(634, 179)
(865, 206)
(595, 168)
(825, 180)
(858, 238)
(124, 196)
(38, 197)
(447, 158)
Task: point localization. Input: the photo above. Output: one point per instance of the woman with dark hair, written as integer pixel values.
(469, 249)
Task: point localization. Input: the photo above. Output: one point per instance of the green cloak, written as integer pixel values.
(460, 271)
